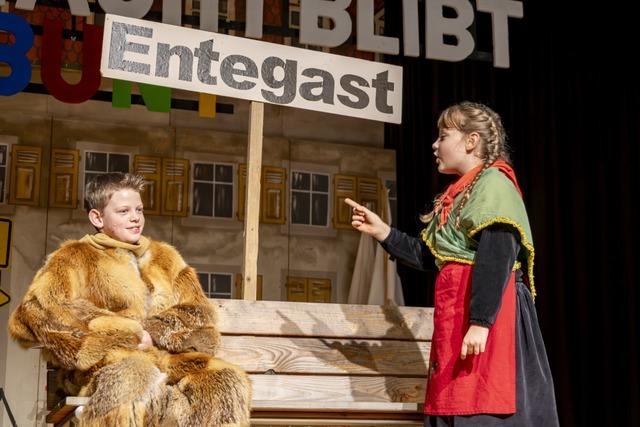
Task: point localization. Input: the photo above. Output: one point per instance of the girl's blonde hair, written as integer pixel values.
(468, 117)
(101, 188)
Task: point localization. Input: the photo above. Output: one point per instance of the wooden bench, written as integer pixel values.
(323, 364)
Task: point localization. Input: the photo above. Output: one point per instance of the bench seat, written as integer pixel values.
(323, 364)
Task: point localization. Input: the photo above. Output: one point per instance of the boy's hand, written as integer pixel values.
(474, 341)
(367, 222)
(145, 341)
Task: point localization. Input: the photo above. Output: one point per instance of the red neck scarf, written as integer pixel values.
(444, 203)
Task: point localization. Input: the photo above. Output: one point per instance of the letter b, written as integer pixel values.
(16, 54)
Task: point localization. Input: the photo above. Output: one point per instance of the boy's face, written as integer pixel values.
(122, 218)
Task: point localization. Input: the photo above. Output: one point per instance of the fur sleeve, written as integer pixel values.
(76, 332)
(190, 324)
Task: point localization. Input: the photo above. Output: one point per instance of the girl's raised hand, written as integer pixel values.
(367, 222)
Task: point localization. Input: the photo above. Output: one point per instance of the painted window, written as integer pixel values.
(212, 189)
(216, 285)
(309, 198)
(4, 168)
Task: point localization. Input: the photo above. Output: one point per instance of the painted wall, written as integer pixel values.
(314, 140)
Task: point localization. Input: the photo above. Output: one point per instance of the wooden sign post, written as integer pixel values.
(252, 202)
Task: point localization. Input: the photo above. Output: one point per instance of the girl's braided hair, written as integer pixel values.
(468, 117)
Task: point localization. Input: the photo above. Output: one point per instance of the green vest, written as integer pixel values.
(493, 200)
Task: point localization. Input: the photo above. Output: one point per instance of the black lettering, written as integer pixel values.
(327, 85)
(228, 70)
(288, 82)
(347, 83)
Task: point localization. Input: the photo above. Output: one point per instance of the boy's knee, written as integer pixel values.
(218, 395)
(135, 379)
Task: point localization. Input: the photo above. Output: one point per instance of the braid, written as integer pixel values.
(489, 126)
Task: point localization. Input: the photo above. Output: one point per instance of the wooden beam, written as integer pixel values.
(326, 356)
(252, 205)
(285, 391)
(307, 319)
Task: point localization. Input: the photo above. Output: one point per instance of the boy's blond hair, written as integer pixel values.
(101, 188)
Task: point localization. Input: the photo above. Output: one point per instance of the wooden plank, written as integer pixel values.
(326, 355)
(352, 321)
(318, 388)
(332, 422)
(269, 408)
(252, 205)
(395, 408)
(64, 408)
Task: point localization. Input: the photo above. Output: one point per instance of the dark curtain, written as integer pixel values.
(570, 103)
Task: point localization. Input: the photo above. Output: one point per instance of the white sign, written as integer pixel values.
(201, 61)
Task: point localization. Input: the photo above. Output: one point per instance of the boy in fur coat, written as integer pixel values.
(127, 315)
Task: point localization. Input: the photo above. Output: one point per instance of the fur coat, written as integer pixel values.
(89, 305)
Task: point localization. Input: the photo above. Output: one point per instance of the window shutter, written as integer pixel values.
(296, 289)
(238, 288)
(319, 290)
(369, 193)
(175, 186)
(26, 163)
(63, 188)
(344, 186)
(242, 190)
(150, 168)
(273, 194)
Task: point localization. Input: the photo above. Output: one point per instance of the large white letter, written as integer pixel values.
(78, 7)
(500, 11)
(253, 27)
(311, 10)
(437, 26)
(209, 15)
(366, 39)
(410, 26)
(130, 9)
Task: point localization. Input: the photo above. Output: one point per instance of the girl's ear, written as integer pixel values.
(96, 218)
(473, 139)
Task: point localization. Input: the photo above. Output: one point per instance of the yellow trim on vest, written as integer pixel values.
(442, 258)
(523, 239)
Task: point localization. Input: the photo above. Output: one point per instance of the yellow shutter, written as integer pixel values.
(319, 290)
(150, 168)
(296, 289)
(239, 288)
(344, 186)
(242, 190)
(273, 195)
(63, 188)
(175, 187)
(26, 163)
(369, 193)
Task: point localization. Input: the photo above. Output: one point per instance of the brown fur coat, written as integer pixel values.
(88, 307)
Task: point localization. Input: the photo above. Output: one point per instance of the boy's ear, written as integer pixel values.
(95, 217)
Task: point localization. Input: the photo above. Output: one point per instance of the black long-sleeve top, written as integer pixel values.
(497, 251)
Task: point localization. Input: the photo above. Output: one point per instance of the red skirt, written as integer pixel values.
(482, 384)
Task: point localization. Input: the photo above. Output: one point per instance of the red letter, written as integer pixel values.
(51, 57)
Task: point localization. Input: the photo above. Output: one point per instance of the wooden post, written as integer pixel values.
(252, 202)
